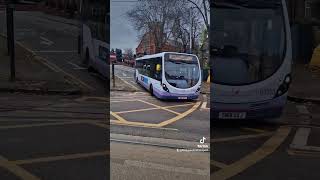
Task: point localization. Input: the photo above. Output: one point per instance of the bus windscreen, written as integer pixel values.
(247, 41)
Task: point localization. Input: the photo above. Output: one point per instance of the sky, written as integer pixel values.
(123, 35)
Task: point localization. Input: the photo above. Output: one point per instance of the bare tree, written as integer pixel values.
(129, 53)
(188, 24)
(203, 7)
(154, 18)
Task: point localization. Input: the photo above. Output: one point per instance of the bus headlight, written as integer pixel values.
(284, 87)
(164, 87)
(287, 79)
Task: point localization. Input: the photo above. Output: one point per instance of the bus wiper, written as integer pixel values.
(181, 77)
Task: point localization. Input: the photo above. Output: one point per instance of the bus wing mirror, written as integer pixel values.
(158, 67)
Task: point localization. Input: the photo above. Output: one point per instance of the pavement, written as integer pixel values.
(55, 43)
(31, 75)
(305, 83)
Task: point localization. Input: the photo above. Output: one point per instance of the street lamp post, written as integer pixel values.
(191, 27)
(190, 30)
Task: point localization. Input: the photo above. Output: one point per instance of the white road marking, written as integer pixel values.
(76, 66)
(46, 41)
(302, 109)
(142, 93)
(300, 141)
(204, 104)
(309, 148)
(300, 138)
(150, 165)
(124, 74)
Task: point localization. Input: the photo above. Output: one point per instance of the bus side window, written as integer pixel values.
(153, 71)
(148, 67)
(157, 74)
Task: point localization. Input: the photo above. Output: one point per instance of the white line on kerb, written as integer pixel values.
(300, 138)
(302, 109)
(46, 41)
(204, 105)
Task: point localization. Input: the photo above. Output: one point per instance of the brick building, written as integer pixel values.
(147, 46)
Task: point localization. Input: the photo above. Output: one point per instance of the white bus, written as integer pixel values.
(250, 47)
(169, 75)
(94, 36)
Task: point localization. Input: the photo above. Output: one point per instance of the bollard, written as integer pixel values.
(113, 79)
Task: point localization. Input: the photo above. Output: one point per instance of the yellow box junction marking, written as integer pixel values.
(160, 107)
(40, 124)
(241, 137)
(16, 170)
(122, 121)
(218, 164)
(254, 130)
(118, 117)
(155, 108)
(62, 157)
(266, 149)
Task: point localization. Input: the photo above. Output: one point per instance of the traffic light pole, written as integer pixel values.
(10, 40)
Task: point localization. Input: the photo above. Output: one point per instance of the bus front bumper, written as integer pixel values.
(165, 95)
(259, 110)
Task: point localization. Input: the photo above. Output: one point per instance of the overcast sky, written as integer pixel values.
(122, 33)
